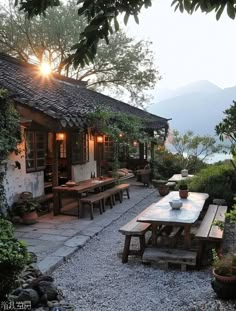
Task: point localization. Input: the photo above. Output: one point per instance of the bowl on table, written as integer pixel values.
(70, 183)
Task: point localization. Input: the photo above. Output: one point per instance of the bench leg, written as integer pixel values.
(103, 204)
(201, 247)
(126, 249)
(100, 206)
(142, 244)
(127, 191)
(91, 211)
(120, 195)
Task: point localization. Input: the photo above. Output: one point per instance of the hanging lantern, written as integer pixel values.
(135, 143)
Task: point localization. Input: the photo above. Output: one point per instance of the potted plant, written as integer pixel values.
(163, 189)
(183, 189)
(26, 207)
(224, 272)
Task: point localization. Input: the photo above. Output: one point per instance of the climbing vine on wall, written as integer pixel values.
(10, 136)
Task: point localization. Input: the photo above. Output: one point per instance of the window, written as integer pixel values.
(35, 150)
(108, 148)
(79, 148)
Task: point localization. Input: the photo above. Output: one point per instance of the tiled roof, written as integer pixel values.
(59, 97)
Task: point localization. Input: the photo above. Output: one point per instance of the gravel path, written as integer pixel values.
(95, 279)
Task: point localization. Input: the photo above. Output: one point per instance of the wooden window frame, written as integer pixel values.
(35, 149)
(79, 148)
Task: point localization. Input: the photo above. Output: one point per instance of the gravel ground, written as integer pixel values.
(95, 279)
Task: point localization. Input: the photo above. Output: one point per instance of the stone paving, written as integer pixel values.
(55, 238)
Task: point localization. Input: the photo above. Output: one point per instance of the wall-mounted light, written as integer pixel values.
(135, 143)
(99, 138)
(120, 135)
(60, 136)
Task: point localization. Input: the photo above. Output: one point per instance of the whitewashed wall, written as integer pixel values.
(83, 172)
(17, 180)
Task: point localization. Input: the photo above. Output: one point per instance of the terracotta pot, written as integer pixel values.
(30, 218)
(183, 194)
(224, 286)
(163, 190)
(223, 278)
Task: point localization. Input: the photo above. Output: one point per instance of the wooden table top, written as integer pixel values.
(178, 177)
(85, 185)
(162, 213)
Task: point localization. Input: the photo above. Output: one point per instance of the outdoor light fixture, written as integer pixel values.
(60, 136)
(135, 143)
(99, 138)
(120, 135)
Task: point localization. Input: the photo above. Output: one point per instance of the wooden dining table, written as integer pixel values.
(161, 213)
(79, 188)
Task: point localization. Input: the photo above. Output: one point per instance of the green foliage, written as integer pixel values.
(102, 18)
(6, 229)
(124, 65)
(10, 134)
(13, 257)
(23, 206)
(165, 164)
(113, 124)
(224, 265)
(193, 150)
(183, 184)
(207, 6)
(215, 180)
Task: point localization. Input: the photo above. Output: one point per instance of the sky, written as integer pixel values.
(188, 48)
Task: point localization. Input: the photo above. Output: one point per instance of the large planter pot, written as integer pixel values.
(224, 286)
(183, 194)
(30, 218)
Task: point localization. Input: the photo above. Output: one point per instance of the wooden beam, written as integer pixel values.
(38, 117)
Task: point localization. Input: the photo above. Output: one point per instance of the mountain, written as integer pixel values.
(198, 106)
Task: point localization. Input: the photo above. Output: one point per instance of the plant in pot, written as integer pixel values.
(163, 189)
(224, 272)
(27, 208)
(183, 189)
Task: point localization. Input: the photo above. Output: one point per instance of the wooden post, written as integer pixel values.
(55, 148)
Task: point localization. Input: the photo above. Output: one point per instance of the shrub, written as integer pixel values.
(216, 180)
(13, 257)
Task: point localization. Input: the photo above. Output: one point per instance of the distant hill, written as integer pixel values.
(198, 106)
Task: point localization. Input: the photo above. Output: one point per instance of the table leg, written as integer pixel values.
(56, 203)
(187, 236)
(154, 234)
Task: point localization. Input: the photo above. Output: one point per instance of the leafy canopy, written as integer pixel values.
(124, 67)
(102, 18)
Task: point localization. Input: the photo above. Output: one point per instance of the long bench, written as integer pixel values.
(208, 231)
(134, 229)
(119, 189)
(101, 197)
(45, 199)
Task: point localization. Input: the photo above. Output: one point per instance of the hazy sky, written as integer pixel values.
(189, 48)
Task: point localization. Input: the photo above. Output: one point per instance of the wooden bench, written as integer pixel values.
(134, 229)
(45, 199)
(119, 189)
(94, 199)
(208, 231)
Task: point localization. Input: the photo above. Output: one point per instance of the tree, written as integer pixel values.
(125, 66)
(192, 148)
(102, 18)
